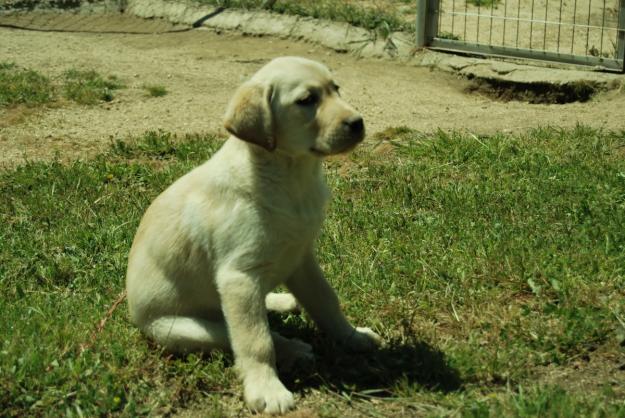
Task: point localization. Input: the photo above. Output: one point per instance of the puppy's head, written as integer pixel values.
(293, 105)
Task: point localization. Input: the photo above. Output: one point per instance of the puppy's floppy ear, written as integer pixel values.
(249, 115)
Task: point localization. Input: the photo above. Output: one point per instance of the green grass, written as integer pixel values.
(23, 86)
(155, 90)
(494, 266)
(19, 86)
(89, 87)
(386, 20)
(484, 3)
(449, 35)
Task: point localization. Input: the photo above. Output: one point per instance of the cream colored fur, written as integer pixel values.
(212, 247)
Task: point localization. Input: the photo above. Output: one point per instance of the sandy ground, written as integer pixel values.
(200, 69)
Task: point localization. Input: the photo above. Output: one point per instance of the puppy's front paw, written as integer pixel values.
(268, 396)
(363, 339)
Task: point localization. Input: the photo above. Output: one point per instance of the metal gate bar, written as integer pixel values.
(592, 33)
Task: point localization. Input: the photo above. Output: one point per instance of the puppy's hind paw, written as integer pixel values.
(294, 353)
(363, 339)
(282, 303)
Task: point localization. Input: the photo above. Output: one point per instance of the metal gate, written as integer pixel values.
(586, 32)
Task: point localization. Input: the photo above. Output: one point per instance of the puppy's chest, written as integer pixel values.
(290, 233)
(295, 221)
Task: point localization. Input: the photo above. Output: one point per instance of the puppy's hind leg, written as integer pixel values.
(291, 352)
(282, 303)
(180, 334)
(288, 351)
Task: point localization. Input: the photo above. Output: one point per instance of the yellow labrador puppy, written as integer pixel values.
(211, 247)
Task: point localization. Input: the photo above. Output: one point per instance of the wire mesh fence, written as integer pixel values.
(577, 31)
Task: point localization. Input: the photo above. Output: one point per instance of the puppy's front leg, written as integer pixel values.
(314, 293)
(243, 305)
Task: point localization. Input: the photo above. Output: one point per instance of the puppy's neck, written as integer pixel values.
(301, 178)
(277, 160)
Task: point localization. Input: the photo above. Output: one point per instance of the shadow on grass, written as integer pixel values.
(411, 363)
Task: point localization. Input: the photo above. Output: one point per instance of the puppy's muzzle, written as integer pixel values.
(354, 127)
(346, 135)
(350, 134)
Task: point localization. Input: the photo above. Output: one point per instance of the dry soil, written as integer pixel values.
(200, 69)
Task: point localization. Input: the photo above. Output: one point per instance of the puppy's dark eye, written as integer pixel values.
(308, 100)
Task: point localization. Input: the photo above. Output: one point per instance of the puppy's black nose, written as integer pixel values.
(355, 124)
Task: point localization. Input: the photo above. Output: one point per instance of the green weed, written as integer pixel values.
(20, 86)
(449, 35)
(354, 14)
(89, 87)
(28, 87)
(544, 402)
(156, 90)
(484, 3)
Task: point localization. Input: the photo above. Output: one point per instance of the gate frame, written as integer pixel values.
(427, 31)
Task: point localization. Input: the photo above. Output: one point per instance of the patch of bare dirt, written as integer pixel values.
(535, 93)
(200, 69)
(589, 374)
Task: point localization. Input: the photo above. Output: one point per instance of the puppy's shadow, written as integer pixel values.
(408, 363)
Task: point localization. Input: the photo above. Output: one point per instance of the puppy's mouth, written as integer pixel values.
(343, 148)
(318, 153)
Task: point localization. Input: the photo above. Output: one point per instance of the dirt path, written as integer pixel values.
(200, 70)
